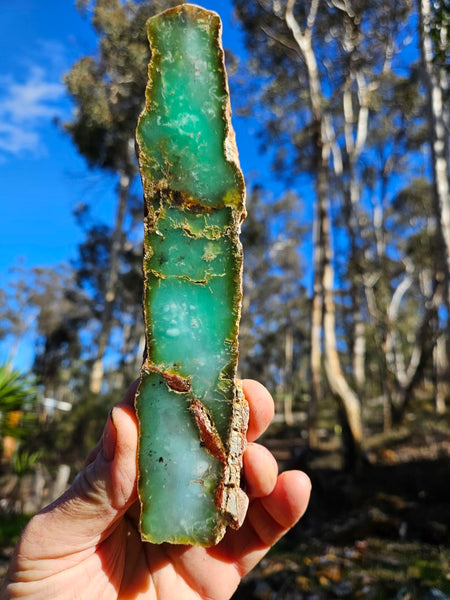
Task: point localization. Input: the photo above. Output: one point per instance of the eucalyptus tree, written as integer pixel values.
(45, 309)
(436, 77)
(125, 349)
(319, 66)
(17, 315)
(434, 33)
(62, 312)
(402, 286)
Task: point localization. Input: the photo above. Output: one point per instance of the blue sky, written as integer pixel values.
(38, 42)
(42, 176)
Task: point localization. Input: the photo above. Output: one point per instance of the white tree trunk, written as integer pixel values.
(323, 306)
(439, 134)
(288, 371)
(442, 376)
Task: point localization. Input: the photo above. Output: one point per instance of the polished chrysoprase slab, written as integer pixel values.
(192, 414)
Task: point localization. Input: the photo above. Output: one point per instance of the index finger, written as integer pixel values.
(260, 401)
(128, 399)
(261, 408)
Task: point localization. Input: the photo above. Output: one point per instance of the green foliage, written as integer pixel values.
(11, 526)
(109, 89)
(440, 32)
(24, 461)
(62, 309)
(68, 437)
(18, 396)
(15, 388)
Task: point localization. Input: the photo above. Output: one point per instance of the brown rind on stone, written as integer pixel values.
(233, 501)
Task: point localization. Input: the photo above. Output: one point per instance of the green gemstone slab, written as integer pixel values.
(191, 411)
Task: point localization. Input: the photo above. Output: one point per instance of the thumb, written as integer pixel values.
(106, 487)
(101, 493)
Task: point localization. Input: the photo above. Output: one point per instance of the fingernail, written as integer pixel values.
(109, 437)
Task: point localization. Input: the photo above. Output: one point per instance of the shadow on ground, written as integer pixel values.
(384, 534)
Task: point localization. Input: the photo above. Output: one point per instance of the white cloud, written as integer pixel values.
(14, 139)
(25, 108)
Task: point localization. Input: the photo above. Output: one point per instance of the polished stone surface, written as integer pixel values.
(192, 415)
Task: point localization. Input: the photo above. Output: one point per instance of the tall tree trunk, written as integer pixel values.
(316, 338)
(356, 126)
(435, 79)
(303, 40)
(350, 404)
(359, 352)
(288, 394)
(440, 359)
(324, 275)
(439, 143)
(97, 371)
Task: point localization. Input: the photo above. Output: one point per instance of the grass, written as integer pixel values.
(374, 569)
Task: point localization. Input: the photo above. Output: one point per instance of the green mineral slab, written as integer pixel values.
(191, 410)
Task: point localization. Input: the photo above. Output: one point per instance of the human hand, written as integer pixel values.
(87, 544)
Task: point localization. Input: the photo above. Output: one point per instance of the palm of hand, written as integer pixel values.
(87, 544)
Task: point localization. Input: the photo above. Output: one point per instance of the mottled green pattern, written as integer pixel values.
(182, 132)
(179, 496)
(194, 196)
(192, 293)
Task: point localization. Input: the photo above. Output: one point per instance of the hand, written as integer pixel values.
(87, 545)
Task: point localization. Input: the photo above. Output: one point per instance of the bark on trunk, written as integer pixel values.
(359, 352)
(356, 126)
(434, 76)
(288, 371)
(316, 345)
(338, 383)
(303, 39)
(441, 367)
